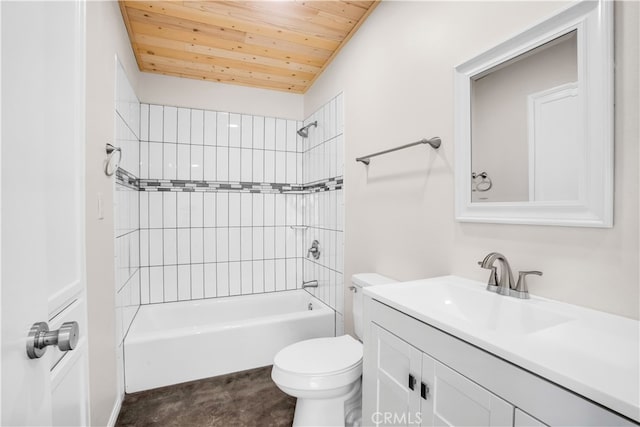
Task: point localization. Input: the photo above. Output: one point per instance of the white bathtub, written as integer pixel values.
(183, 341)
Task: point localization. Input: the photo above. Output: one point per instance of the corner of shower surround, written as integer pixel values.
(323, 204)
(126, 213)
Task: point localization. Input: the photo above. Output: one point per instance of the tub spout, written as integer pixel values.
(310, 284)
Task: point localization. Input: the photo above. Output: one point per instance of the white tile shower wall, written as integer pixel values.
(323, 161)
(196, 145)
(126, 207)
(225, 239)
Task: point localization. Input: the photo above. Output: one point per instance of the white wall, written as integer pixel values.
(191, 93)
(397, 78)
(106, 37)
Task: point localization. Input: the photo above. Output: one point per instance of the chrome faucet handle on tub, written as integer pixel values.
(521, 290)
(314, 250)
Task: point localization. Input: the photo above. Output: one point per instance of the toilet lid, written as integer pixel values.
(320, 355)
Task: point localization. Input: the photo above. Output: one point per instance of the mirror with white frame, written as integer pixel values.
(534, 124)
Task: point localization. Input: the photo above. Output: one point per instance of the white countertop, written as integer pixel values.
(593, 353)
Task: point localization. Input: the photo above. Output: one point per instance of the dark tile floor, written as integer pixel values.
(247, 398)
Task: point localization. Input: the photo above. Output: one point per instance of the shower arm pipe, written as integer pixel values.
(304, 131)
(434, 142)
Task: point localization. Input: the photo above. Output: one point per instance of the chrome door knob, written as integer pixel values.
(66, 338)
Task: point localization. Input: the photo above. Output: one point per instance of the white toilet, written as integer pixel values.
(324, 374)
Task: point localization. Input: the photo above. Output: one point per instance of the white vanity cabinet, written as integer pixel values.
(396, 372)
(417, 375)
(452, 392)
(521, 419)
(412, 388)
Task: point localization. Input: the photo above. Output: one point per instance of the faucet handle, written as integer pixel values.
(521, 290)
(492, 284)
(314, 250)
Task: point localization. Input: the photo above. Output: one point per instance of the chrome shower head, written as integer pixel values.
(304, 131)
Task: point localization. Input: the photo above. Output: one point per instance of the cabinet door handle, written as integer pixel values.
(412, 382)
(424, 390)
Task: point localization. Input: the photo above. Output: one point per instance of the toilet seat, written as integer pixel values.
(319, 364)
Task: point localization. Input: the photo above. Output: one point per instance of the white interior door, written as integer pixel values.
(42, 196)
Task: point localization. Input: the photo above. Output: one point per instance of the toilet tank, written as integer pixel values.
(360, 281)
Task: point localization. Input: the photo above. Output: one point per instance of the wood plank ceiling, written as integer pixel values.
(280, 45)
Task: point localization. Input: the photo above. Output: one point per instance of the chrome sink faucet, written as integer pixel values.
(505, 284)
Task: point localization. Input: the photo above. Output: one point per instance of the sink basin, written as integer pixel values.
(454, 300)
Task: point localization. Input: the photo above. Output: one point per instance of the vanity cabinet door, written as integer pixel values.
(397, 381)
(450, 399)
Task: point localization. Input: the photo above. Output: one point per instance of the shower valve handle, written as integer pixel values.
(314, 250)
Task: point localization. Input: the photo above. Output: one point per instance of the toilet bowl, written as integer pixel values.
(324, 374)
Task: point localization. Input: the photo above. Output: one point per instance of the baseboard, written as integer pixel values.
(116, 411)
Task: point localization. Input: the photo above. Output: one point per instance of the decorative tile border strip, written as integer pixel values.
(127, 179)
(244, 187)
(325, 185)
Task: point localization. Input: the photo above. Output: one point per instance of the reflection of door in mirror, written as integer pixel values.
(554, 165)
(524, 126)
